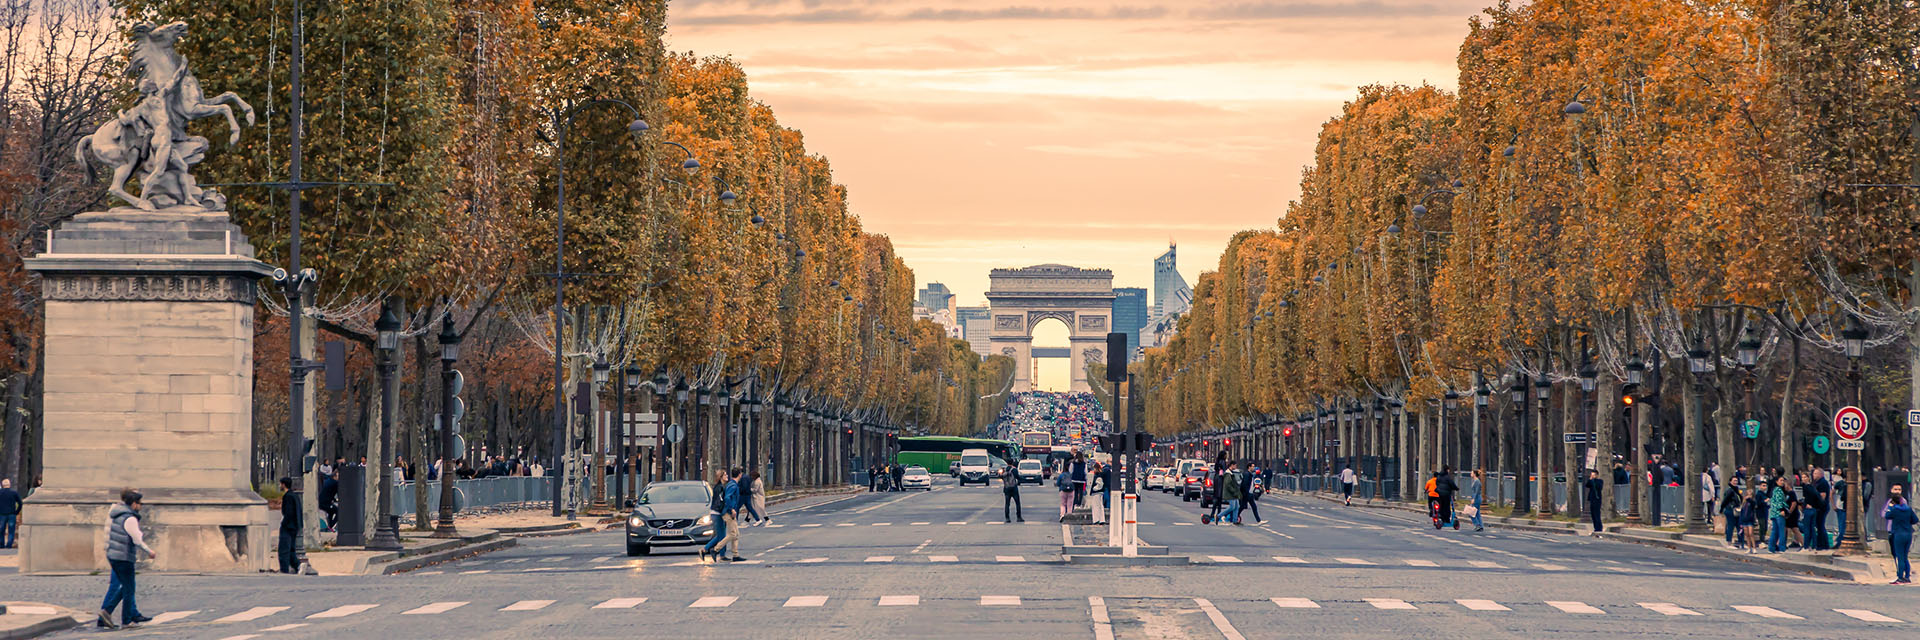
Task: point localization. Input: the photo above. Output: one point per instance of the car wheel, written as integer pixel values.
(638, 550)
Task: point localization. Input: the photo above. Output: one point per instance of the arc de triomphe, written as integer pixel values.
(1022, 298)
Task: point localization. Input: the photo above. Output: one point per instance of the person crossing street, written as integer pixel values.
(1347, 480)
(1010, 496)
(125, 541)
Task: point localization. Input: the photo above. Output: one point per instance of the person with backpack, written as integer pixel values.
(1063, 482)
(1444, 488)
(1250, 491)
(1229, 485)
(1010, 495)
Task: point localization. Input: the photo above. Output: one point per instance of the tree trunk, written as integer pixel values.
(13, 457)
(371, 512)
(1572, 464)
(422, 436)
(1789, 416)
(1693, 452)
(1602, 430)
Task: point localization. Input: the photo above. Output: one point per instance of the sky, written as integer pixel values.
(980, 134)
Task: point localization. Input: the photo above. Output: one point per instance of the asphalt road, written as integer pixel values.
(940, 564)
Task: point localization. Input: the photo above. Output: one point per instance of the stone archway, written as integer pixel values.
(1020, 298)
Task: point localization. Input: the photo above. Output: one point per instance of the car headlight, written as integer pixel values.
(706, 519)
(636, 522)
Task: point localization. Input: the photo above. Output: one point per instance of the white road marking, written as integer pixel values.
(255, 613)
(1573, 607)
(527, 605)
(1549, 567)
(1183, 524)
(883, 524)
(1219, 620)
(1009, 559)
(899, 601)
(1681, 571)
(999, 601)
(844, 524)
(244, 636)
(943, 558)
(1765, 612)
(1102, 623)
(1484, 564)
(1300, 526)
(810, 560)
(923, 545)
(806, 601)
(1223, 558)
(1353, 561)
(171, 616)
(1289, 559)
(1863, 614)
(773, 526)
(475, 572)
(620, 603)
(816, 524)
(1421, 563)
(1483, 605)
(1668, 608)
(1390, 603)
(712, 602)
(883, 504)
(285, 627)
(1295, 603)
(1744, 574)
(538, 569)
(342, 611)
(921, 523)
(437, 607)
(958, 522)
(879, 558)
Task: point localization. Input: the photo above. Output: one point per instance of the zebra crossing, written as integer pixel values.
(283, 618)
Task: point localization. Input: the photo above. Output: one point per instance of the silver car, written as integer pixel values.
(670, 514)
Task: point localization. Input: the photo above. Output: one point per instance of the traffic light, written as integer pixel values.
(1229, 442)
(1286, 432)
(1627, 392)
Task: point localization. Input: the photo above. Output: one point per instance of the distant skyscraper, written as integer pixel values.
(974, 327)
(1130, 314)
(1171, 298)
(935, 297)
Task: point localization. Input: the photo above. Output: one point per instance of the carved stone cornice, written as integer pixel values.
(132, 287)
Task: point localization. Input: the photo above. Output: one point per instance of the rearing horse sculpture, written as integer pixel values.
(153, 136)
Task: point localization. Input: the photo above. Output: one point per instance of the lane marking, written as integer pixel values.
(810, 560)
(1227, 559)
(286, 627)
(921, 523)
(883, 504)
(475, 572)
(1102, 623)
(527, 605)
(712, 602)
(1390, 603)
(1485, 564)
(815, 524)
(879, 558)
(1353, 561)
(923, 545)
(255, 613)
(806, 601)
(1421, 563)
(782, 546)
(844, 524)
(437, 607)
(1009, 559)
(1668, 608)
(342, 611)
(1290, 559)
(620, 603)
(883, 524)
(943, 558)
(1765, 612)
(1573, 607)
(1295, 603)
(958, 522)
(171, 616)
(899, 601)
(1219, 620)
(999, 601)
(1549, 567)
(1863, 614)
(1483, 605)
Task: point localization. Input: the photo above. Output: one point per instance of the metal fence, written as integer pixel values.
(476, 493)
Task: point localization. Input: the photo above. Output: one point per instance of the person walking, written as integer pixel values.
(730, 548)
(1230, 494)
(1822, 504)
(717, 509)
(1730, 504)
(1594, 489)
(1250, 492)
(1709, 488)
(1347, 480)
(1838, 504)
(289, 527)
(1099, 485)
(873, 476)
(758, 505)
(1777, 509)
(896, 473)
(10, 504)
(1079, 479)
(1444, 488)
(124, 544)
(1010, 496)
(1751, 506)
(1476, 491)
(1900, 519)
(1063, 482)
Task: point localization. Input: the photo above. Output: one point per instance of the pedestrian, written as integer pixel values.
(873, 476)
(1822, 506)
(1347, 480)
(1079, 479)
(289, 527)
(1250, 492)
(717, 509)
(1900, 521)
(1620, 474)
(1229, 495)
(897, 473)
(1100, 487)
(759, 502)
(1777, 510)
(1750, 504)
(1709, 487)
(10, 504)
(735, 498)
(1476, 491)
(1594, 490)
(1444, 488)
(1010, 496)
(1730, 509)
(1063, 482)
(330, 499)
(124, 544)
(1838, 504)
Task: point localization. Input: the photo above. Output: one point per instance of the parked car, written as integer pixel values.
(1193, 483)
(670, 514)
(1032, 471)
(916, 478)
(1156, 478)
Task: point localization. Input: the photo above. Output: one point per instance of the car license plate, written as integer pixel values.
(672, 532)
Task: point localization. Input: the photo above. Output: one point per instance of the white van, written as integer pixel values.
(976, 466)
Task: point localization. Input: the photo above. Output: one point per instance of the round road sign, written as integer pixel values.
(1850, 423)
(1820, 444)
(675, 433)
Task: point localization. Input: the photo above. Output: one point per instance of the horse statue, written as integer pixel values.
(153, 136)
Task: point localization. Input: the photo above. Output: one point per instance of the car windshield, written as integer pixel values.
(973, 461)
(916, 471)
(674, 493)
(1026, 465)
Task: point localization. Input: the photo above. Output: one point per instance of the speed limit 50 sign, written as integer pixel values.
(1850, 423)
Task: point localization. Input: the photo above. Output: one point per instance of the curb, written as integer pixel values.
(56, 622)
(564, 531)
(420, 560)
(535, 528)
(1107, 560)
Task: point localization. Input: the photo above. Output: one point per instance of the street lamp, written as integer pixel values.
(1523, 482)
(1749, 350)
(629, 481)
(449, 413)
(1698, 363)
(386, 532)
(1854, 339)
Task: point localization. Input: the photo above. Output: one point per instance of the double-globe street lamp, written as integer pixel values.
(1854, 339)
(386, 529)
(450, 411)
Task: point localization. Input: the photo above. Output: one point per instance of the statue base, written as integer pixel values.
(149, 383)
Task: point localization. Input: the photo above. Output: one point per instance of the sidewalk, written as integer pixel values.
(20, 620)
(1868, 569)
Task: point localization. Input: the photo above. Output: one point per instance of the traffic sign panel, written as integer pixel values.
(1577, 437)
(1850, 423)
(1820, 444)
(675, 433)
(1750, 429)
(1913, 418)
(1850, 445)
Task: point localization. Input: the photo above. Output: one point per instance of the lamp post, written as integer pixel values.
(1854, 337)
(1698, 364)
(563, 121)
(662, 385)
(386, 528)
(1480, 393)
(1748, 352)
(1636, 449)
(601, 371)
(1543, 393)
(1523, 481)
(449, 378)
(629, 382)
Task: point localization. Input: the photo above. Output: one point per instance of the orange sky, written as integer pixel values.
(1004, 133)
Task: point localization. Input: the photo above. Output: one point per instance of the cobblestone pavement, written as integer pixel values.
(941, 564)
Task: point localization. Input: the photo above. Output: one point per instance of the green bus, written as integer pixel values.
(937, 453)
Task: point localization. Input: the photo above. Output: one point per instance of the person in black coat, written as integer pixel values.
(1595, 490)
(330, 499)
(289, 527)
(1443, 485)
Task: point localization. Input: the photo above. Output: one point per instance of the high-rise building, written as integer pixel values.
(1171, 298)
(975, 328)
(936, 297)
(1130, 314)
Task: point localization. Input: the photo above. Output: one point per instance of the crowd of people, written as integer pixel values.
(739, 500)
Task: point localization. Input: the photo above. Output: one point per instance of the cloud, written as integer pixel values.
(847, 16)
(1291, 10)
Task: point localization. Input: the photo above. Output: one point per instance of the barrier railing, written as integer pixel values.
(477, 493)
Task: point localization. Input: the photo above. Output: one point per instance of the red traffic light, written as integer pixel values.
(1229, 442)
(1287, 432)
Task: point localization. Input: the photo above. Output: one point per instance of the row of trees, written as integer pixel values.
(749, 275)
(1613, 186)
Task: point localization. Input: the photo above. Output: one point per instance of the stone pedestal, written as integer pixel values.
(149, 382)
